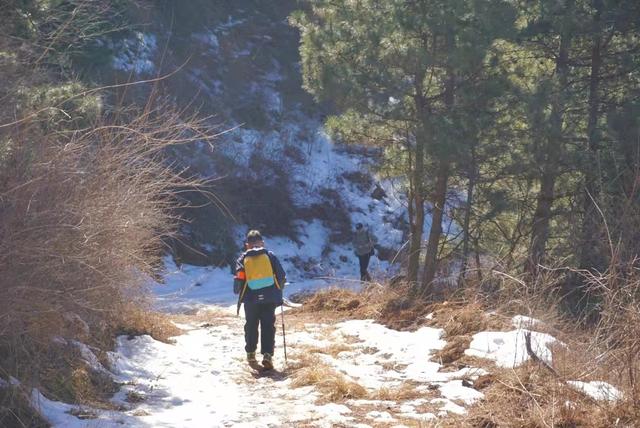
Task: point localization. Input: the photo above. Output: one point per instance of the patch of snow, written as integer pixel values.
(207, 38)
(454, 390)
(598, 390)
(193, 286)
(333, 414)
(229, 24)
(61, 415)
(90, 358)
(375, 403)
(59, 340)
(448, 407)
(423, 417)
(134, 54)
(408, 349)
(195, 383)
(508, 349)
(380, 416)
(272, 100)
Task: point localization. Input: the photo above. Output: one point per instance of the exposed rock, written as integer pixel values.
(378, 193)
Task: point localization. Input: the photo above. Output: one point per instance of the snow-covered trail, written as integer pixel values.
(362, 374)
(203, 380)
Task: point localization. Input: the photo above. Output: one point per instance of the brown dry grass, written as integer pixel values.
(531, 397)
(334, 386)
(83, 217)
(334, 349)
(406, 391)
(459, 319)
(136, 321)
(16, 410)
(310, 370)
(389, 306)
(453, 350)
(333, 300)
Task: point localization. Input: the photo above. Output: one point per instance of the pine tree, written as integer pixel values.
(394, 69)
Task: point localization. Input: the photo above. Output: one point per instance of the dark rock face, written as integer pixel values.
(378, 193)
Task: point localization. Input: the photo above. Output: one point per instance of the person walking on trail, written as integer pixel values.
(259, 279)
(363, 245)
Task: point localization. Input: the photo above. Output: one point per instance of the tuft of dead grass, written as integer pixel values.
(334, 386)
(406, 391)
(16, 410)
(334, 349)
(137, 320)
(332, 299)
(462, 319)
(453, 350)
(387, 305)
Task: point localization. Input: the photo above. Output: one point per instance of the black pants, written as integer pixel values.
(364, 265)
(263, 314)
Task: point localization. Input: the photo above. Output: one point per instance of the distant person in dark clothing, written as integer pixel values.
(363, 245)
(259, 279)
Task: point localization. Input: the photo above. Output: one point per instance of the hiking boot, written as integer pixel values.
(251, 357)
(267, 363)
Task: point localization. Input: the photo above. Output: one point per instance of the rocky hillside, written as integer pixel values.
(274, 168)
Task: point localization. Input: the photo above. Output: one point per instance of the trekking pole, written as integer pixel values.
(284, 336)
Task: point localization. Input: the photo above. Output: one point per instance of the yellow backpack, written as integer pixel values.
(259, 272)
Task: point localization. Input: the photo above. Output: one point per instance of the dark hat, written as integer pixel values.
(254, 236)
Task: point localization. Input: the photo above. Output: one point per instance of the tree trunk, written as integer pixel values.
(416, 213)
(439, 200)
(440, 194)
(473, 173)
(590, 253)
(553, 150)
(416, 183)
(541, 220)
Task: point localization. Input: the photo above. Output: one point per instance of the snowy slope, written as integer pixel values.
(312, 260)
(244, 67)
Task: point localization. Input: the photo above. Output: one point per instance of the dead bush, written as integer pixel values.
(83, 215)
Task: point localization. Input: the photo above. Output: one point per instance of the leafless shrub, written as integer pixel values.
(618, 331)
(83, 215)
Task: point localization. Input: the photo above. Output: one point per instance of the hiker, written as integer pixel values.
(363, 245)
(258, 280)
